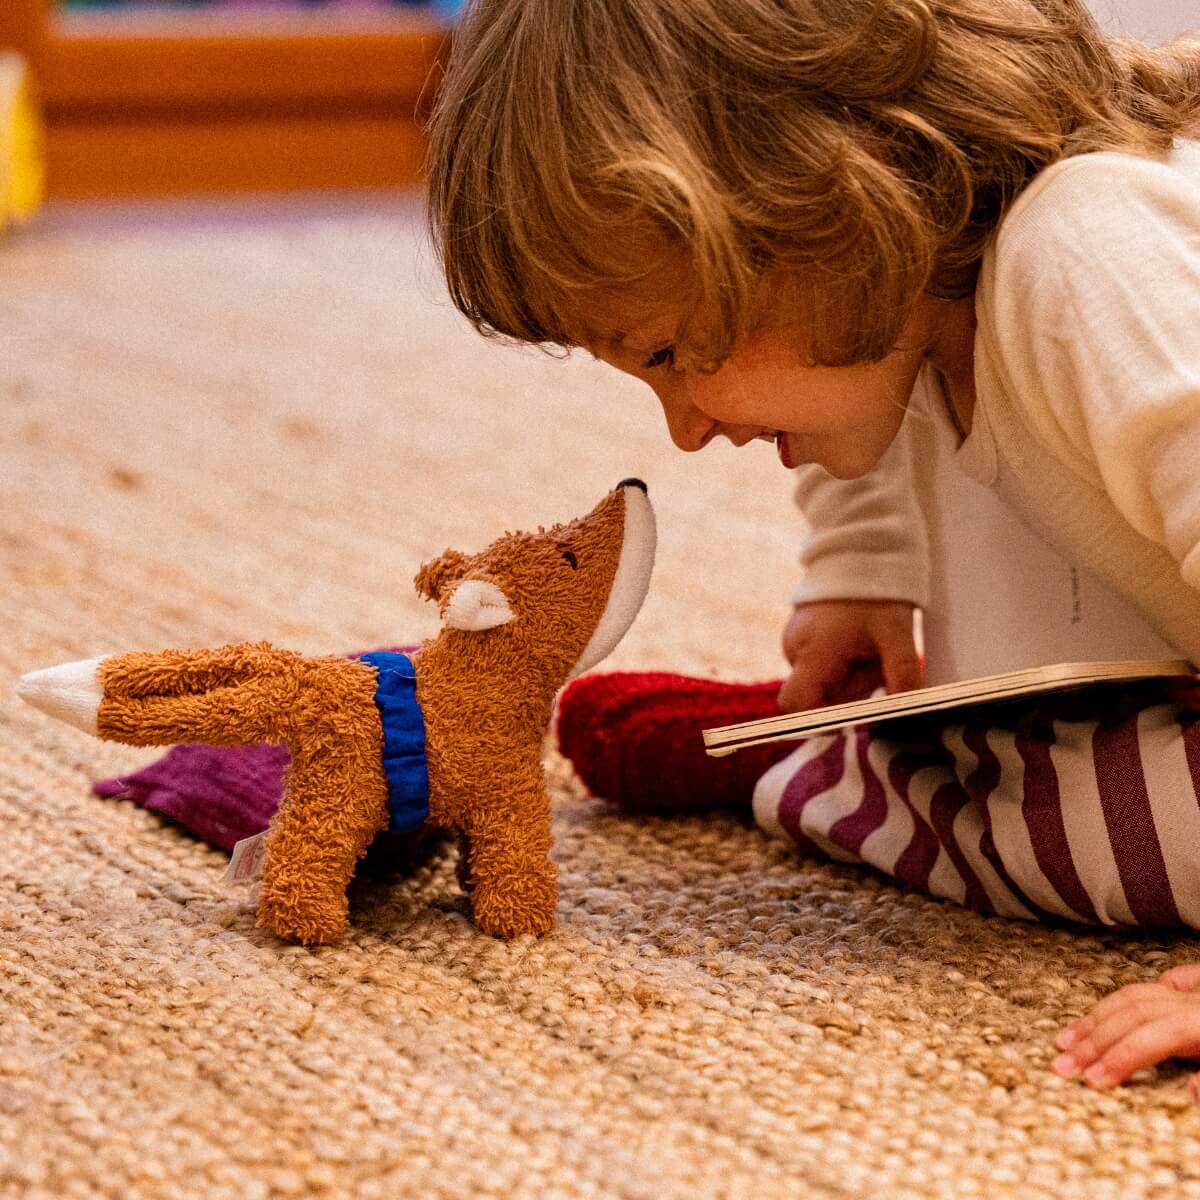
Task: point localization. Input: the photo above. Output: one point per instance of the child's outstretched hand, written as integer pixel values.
(1136, 1027)
(842, 650)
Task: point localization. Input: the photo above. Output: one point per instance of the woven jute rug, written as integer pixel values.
(219, 424)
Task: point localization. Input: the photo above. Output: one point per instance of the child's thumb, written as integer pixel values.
(804, 687)
(902, 668)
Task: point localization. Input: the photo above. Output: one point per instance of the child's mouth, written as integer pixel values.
(781, 445)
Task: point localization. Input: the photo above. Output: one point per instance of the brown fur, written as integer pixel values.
(486, 699)
(322, 709)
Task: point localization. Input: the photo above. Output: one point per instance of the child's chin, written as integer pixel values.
(851, 462)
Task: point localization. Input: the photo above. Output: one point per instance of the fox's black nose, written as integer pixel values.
(637, 483)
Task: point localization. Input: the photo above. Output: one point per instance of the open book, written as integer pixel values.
(1032, 681)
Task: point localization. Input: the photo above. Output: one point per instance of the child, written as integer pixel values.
(789, 218)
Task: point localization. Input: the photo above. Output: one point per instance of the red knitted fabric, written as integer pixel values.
(634, 738)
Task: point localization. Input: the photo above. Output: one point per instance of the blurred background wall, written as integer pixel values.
(177, 97)
(1149, 20)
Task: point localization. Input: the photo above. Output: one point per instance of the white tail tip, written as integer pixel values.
(70, 692)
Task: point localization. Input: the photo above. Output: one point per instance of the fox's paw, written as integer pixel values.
(313, 920)
(515, 904)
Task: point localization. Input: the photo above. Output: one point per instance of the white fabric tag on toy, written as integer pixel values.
(247, 861)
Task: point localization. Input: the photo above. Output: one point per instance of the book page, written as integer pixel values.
(943, 698)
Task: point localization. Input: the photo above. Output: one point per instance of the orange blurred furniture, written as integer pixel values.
(142, 103)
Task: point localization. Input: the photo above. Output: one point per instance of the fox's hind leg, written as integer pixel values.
(334, 804)
(322, 709)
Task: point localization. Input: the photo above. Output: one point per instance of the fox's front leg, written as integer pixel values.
(514, 884)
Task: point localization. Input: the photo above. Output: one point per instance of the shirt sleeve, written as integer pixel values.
(867, 537)
(1113, 338)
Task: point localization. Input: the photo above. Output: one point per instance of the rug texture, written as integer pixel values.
(225, 424)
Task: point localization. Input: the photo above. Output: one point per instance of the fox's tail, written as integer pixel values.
(233, 695)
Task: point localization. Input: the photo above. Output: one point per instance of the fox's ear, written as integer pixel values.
(476, 605)
(432, 579)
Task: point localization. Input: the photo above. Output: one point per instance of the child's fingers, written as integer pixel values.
(897, 651)
(811, 676)
(862, 679)
(800, 691)
(1130, 994)
(1182, 979)
(1093, 1042)
(1074, 1032)
(1173, 1035)
(1119, 1001)
(901, 667)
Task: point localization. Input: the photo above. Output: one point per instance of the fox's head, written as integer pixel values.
(555, 602)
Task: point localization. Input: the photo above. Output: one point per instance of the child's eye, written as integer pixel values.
(660, 358)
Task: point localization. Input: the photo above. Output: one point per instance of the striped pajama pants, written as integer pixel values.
(1082, 807)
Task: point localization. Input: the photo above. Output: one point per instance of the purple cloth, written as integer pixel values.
(219, 793)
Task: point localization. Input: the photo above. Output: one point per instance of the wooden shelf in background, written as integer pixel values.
(141, 103)
(154, 156)
(168, 63)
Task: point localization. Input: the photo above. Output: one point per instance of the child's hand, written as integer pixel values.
(842, 650)
(1142, 1024)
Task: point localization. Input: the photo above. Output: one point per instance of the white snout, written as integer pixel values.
(631, 582)
(71, 692)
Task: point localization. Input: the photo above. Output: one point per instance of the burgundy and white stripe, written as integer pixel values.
(1093, 820)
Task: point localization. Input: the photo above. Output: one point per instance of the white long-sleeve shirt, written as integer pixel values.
(1086, 430)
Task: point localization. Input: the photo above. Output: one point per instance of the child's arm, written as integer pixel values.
(1096, 298)
(866, 567)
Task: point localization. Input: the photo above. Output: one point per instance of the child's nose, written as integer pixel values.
(690, 429)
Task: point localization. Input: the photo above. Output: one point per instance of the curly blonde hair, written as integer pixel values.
(863, 150)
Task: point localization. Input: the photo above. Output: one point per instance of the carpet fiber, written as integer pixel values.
(230, 423)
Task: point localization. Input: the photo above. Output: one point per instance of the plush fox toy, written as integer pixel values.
(447, 737)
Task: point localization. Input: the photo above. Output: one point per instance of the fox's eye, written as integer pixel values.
(570, 557)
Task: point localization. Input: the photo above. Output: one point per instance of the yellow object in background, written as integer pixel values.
(22, 167)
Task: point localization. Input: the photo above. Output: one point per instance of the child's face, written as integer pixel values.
(843, 418)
